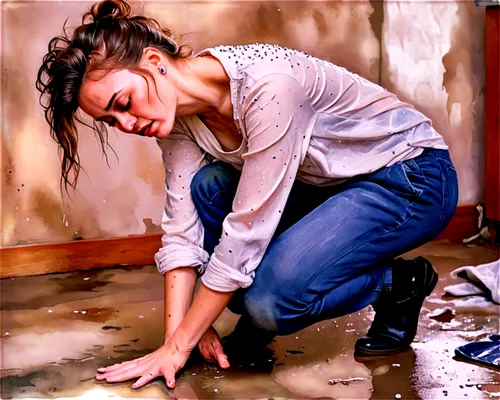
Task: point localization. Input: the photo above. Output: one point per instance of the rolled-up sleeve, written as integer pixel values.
(182, 241)
(278, 119)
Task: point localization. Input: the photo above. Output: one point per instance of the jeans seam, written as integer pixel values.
(413, 162)
(443, 186)
(450, 165)
(416, 191)
(216, 195)
(356, 248)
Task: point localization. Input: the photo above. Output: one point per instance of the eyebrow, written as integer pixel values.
(107, 108)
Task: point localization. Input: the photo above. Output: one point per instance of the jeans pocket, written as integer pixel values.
(413, 176)
(449, 185)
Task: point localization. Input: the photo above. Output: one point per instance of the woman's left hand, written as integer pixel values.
(166, 361)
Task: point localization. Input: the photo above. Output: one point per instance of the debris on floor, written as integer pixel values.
(346, 381)
(58, 329)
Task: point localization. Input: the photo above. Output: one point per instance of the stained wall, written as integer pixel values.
(429, 53)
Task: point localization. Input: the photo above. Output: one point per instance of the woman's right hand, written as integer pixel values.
(211, 348)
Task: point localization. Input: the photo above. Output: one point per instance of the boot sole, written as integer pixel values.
(428, 290)
(374, 353)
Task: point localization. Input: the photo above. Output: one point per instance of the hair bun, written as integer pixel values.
(109, 9)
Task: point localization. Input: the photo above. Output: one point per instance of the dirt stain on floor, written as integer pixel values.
(58, 329)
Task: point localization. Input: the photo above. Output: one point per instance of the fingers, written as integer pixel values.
(219, 354)
(223, 362)
(113, 367)
(130, 363)
(125, 371)
(170, 379)
(206, 354)
(119, 376)
(117, 369)
(144, 379)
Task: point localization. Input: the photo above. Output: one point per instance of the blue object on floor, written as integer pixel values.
(483, 352)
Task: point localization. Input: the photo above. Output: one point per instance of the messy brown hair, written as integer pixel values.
(109, 37)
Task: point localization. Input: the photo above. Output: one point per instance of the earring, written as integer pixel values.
(162, 69)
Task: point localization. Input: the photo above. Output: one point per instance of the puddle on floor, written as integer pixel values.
(58, 329)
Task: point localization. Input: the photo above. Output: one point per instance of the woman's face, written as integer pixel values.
(131, 102)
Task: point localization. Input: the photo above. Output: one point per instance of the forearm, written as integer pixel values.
(179, 290)
(206, 308)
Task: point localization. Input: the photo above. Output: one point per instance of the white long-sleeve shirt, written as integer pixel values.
(300, 118)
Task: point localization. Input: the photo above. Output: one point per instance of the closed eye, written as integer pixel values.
(128, 105)
(112, 121)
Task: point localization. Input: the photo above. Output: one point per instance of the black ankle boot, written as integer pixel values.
(247, 344)
(396, 313)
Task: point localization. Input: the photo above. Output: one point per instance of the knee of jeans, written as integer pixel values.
(263, 311)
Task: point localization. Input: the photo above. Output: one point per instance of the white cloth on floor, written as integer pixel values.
(482, 279)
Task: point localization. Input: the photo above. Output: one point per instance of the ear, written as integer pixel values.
(152, 58)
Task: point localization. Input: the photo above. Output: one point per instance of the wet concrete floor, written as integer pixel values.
(56, 330)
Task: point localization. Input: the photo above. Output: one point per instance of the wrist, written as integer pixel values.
(178, 340)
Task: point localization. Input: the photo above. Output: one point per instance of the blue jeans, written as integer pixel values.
(332, 252)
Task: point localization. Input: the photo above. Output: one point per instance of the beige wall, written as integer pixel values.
(433, 57)
(430, 54)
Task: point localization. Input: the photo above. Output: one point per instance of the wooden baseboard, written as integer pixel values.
(39, 259)
(462, 225)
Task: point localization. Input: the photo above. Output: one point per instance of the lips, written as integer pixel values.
(146, 131)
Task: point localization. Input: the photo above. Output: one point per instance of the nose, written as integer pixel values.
(126, 123)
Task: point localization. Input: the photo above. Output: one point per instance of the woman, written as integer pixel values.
(322, 178)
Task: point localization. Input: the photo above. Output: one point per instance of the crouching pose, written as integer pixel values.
(292, 184)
